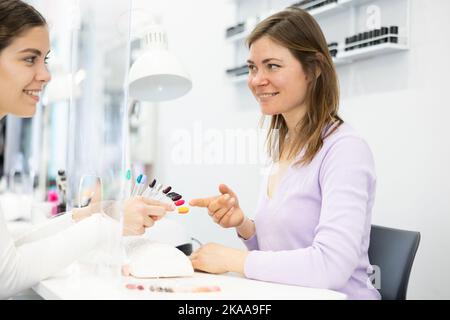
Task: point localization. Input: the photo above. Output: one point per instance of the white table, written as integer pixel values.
(78, 283)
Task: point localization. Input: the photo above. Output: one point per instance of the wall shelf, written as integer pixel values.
(239, 79)
(239, 36)
(323, 11)
(346, 57)
(369, 43)
(335, 7)
(331, 8)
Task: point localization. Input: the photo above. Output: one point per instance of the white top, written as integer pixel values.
(47, 249)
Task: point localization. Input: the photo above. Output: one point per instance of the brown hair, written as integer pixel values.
(297, 30)
(17, 17)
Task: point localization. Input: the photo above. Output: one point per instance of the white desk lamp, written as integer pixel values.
(157, 75)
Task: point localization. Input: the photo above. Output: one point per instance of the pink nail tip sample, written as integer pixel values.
(180, 203)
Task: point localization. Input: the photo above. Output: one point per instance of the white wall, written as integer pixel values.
(397, 102)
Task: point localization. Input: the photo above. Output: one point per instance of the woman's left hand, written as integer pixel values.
(139, 213)
(215, 258)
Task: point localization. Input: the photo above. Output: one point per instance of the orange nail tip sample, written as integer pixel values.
(183, 210)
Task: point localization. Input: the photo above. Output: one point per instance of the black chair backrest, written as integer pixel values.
(393, 251)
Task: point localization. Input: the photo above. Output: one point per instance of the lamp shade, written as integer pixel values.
(157, 75)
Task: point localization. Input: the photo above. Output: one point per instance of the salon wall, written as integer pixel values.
(397, 102)
(399, 105)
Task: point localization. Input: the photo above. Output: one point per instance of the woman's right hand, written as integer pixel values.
(224, 209)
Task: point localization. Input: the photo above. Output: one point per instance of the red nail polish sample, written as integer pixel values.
(180, 203)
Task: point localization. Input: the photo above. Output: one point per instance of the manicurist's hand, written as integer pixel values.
(141, 213)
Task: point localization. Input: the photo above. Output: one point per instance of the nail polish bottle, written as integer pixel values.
(365, 38)
(393, 31)
(377, 34)
(333, 49)
(360, 39)
(371, 35)
(353, 40)
(384, 34)
(347, 42)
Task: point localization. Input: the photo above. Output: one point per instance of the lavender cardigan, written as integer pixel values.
(315, 229)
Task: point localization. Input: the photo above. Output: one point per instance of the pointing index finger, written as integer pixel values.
(201, 202)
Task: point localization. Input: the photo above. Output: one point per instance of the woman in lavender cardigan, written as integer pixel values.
(312, 223)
